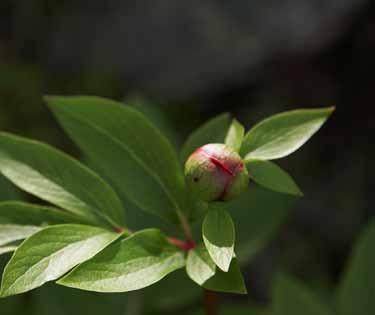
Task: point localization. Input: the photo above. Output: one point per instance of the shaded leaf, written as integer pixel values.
(22, 213)
(55, 177)
(129, 150)
(235, 135)
(292, 298)
(130, 264)
(271, 176)
(159, 115)
(218, 236)
(357, 291)
(163, 296)
(258, 213)
(243, 309)
(213, 131)
(229, 282)
(6, 191)
(50, 253)
(284, 133)
(52, 299)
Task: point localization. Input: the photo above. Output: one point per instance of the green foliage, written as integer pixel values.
(213, 131)
(235, 135)
(17, 212)
(199, 265)
(130, 264)
(86, 245)
(55, 177)
(229, 282)
(292, 298)
(6, 190)
(202, 270)
(129, 150)
(218, 236)
(282, 134)
(7, 249)
(271, 176)
(357, 291)
(10, 233)
(257, 214)
(50, 253)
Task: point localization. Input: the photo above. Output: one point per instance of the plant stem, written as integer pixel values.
(210, 302)
(185, 226)
(185, 245)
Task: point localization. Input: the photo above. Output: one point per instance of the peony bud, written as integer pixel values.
(215, 172)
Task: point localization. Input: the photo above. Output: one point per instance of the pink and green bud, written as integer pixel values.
(215, 172)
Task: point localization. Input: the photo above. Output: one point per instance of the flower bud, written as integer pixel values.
(215, 172)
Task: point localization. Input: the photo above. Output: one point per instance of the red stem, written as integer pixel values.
(210, 302)
(185, 245)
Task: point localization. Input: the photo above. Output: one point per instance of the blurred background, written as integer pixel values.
(183, 62)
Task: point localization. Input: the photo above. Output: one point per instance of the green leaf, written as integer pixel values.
(50, 253)
(130, 264)
(235, 135)
(271, 176)
(357, 290)
(55, 177)
(213, 131)
(6, 191)
(199, 265)
(19, 220)
(282, 134)
(163, 296)
(258, 214)
(129, 150)
(11, 232)
(292, 298)
(202, 270)
(242, 309)
(22, 213)
(158, 114)
(52, 299)
(7, 249)
(229, 282)
(218, 236)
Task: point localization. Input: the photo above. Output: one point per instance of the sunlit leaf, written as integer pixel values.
(235, 135)
(55, 177)
(282, 134)
(219, 235)
(199, 265)
(50, 253)
(130, 264)
(12, 232)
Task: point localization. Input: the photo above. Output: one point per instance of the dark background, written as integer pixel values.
(193, 60)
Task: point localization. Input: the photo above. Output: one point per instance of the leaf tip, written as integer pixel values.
(243, 290)
(3, 293)
(331, 108)
(47, 98)
(298, 192)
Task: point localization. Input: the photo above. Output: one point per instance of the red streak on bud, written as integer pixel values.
(225, 167)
